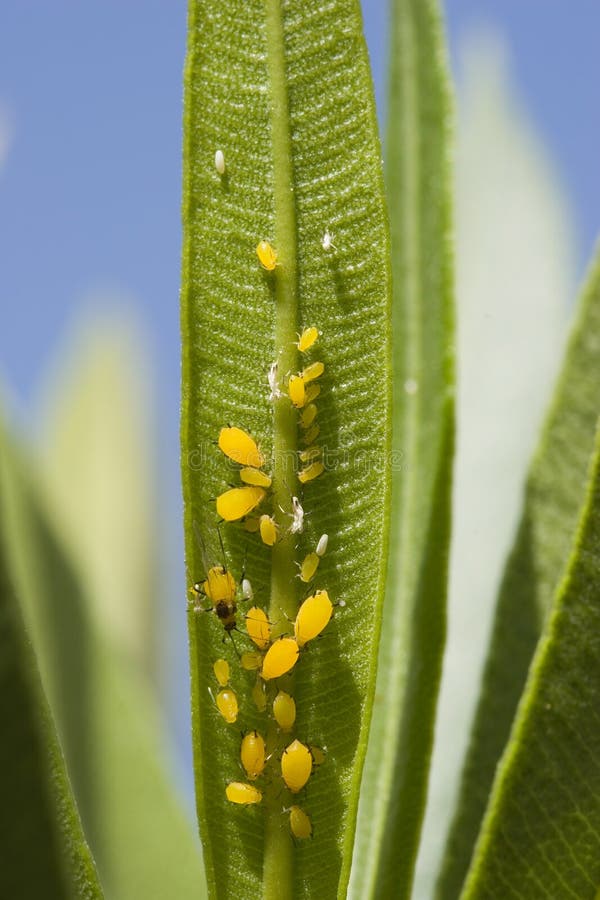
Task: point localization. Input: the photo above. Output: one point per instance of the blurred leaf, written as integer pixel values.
(541, 833)
(44, 851)
(537, 560)
(97, 463)
(395, 780)
(284, 91)
(108, 725)
(515, 283)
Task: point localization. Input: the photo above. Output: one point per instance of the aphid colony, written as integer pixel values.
(269, 755)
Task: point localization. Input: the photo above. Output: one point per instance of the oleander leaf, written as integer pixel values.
(541, 833)
(284, 91)
(395, 781)
(536, 562)
(107, 721)
(512, 320)
(44, 850)
(96, 459)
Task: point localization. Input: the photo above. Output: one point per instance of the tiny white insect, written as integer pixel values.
(322, 545)
(411, 386)
(272, 376)
(220, 162)
(247, 592)
(298, 517)
(327, 242)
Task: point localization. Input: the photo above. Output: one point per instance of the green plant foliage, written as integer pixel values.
(395, 781)
(284, 91)
(536, 563)
(107, 723)
(44, 851)
(97, 470)
(541, 834)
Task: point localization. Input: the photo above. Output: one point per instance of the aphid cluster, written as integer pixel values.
(271, 757)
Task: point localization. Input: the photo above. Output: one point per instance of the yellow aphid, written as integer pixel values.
(309, 566)
(267, 255)
(312, 618)
(221, 670)
(251, 525)
(310, 453)
(219, 585)
(296, 766)
(280, 658)
(255, 477)
(284, 710)
(227, 705)
(259, 695)
(258, 627)
(311, 435)
(268, 530)
(312, 392)
(310, 472)
(239, 446)
(307, 339)
(244, 794)
(236, 503)
(297, 391)
(252, 754)
(314, 370)
(300, 824)
(308, 415)
(318, 755)
(251, 660)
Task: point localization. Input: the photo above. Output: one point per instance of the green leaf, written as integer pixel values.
(536, 562)
(512, 317)
(96, 459)
(395, 780)
(108, 724)
(44, 851)
(541, 833)
(284, 91)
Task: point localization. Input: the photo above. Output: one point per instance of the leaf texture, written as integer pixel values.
(395, 781)
(283, 90)
(107, 723)
(44, 850)
(538, 557)
(541, 833)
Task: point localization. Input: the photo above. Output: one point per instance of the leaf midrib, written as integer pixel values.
(278, 862)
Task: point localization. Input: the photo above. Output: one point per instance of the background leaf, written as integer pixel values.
(536, 562)
(284, 91)
(541, 834)
(44, 851)
(96, 454)
(107, 722)
(515, 287)
(395, 780)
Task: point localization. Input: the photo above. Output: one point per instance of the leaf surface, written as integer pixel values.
(539, 555)
(541, 833)
(107, 722)
(283, 90)
(395, 781)
(44, 851)
(512, 318)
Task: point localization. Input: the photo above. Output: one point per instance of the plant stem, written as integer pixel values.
(278, 864)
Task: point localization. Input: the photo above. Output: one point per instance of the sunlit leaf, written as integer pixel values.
(283, 90)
